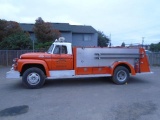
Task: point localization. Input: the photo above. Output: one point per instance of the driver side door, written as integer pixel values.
(60, 59)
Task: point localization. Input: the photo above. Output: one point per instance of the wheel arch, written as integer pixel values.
(24, 64)
(124, 64)
(29, 65)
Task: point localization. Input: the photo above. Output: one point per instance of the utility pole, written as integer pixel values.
(110, 40)
(33, 44)
(142, 41)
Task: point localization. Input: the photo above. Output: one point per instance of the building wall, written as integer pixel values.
(84, 40)
(67, 36)
(77, 39)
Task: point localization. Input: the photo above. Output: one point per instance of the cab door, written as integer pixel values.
(61, 60)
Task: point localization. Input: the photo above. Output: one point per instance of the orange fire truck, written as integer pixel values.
(64, 61)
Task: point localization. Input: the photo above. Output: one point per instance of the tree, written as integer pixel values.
(12, 28)
(43, 46)
(44, 31)
(155, 47)
(7, 28)
(103, 40)
(3, 24)
(16, 41)
(12, 36)
(56, 34)
(123, 44)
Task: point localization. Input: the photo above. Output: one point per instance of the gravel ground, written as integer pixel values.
(82, 99)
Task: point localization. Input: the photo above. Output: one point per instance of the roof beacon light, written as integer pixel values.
(61, 39)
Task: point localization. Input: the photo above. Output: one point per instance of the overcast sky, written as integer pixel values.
(126, 20)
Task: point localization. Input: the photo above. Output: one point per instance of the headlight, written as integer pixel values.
(15, 60)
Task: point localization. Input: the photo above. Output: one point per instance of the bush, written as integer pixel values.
(16, 41)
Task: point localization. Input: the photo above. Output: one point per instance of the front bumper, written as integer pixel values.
(13, 74)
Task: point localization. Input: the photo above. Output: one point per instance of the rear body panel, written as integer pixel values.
(104, 60)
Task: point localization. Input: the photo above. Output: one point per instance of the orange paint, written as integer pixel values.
(62, 62)
(93, 70)
(144, 64)
(84, 70)
(115, 64)
(22, 62)
(101, 70)
(74, 60)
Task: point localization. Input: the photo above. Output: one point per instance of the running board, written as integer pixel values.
(81, 76)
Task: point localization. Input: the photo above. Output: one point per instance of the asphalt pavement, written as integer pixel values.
(82, 99)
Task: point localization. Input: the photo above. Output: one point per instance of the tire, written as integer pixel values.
(120, 75)
(33, 78)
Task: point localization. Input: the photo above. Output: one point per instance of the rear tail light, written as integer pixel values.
(136, 66)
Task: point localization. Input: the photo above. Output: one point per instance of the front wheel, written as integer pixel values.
(120, 75)
(33, 78)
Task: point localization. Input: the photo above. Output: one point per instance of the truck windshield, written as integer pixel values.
(50, 49)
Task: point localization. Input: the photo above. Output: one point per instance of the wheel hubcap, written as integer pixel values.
(33, 78)
(121, 75)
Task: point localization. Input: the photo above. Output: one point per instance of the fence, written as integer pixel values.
(7, 56)
(154, 58)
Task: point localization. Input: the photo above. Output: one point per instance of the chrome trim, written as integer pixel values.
(82, 76)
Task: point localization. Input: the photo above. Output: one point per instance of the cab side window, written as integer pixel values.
(56, 50)
(64, 49)
(60, 49)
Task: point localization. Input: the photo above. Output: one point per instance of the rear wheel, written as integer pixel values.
(120, 75)
(33, 78)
